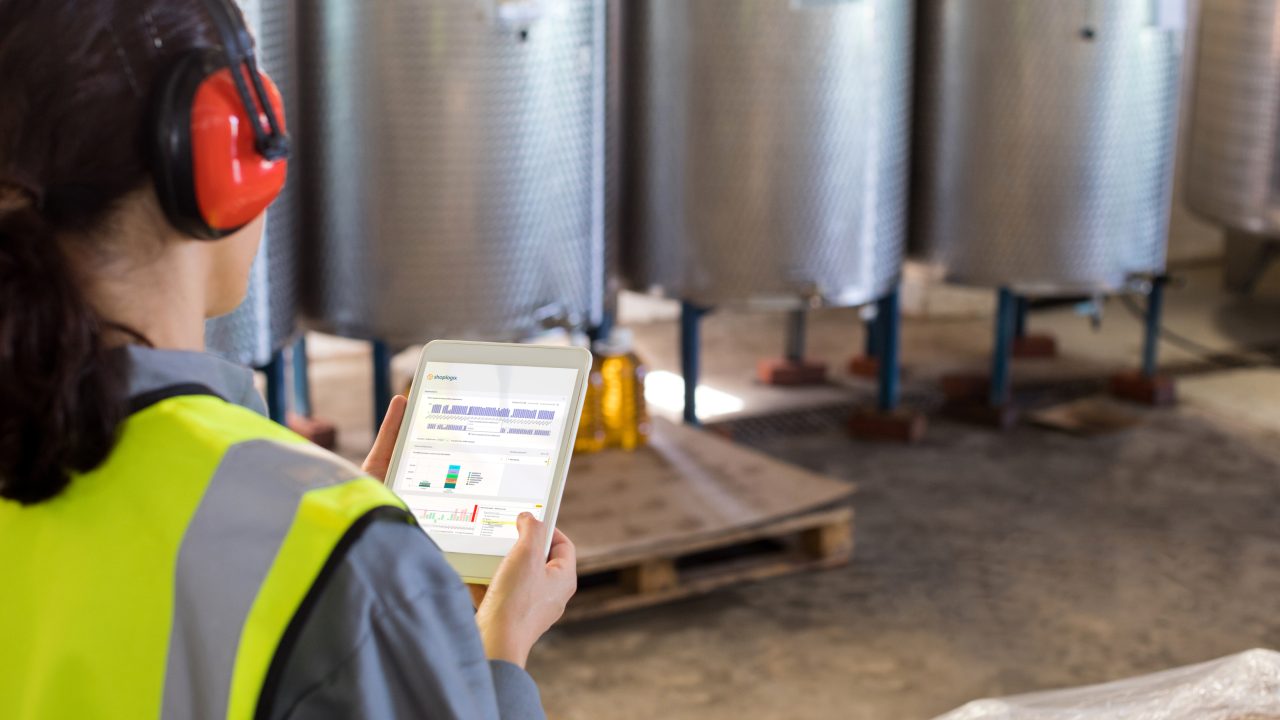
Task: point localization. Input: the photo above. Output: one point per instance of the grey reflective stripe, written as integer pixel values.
(224, 558)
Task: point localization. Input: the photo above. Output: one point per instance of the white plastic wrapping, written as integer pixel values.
(1237, 687)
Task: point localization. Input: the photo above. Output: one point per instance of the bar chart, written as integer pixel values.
(459, 520)
(492, 412)
(440, 517)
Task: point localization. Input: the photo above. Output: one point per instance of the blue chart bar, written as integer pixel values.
(480, 411)
(522, 431)
(442, 426)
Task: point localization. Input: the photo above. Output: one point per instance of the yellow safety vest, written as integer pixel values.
(168, 582)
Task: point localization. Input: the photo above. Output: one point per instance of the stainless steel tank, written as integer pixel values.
(265, 321)
(767, 152)
(1045, 136)
(456, 176)
(1233, 167)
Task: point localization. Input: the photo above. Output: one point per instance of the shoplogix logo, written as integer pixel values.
(433, 376)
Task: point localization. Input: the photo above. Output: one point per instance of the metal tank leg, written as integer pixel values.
(381, 383)
(301, 381)
(1020, 317)
(1002, 352)
(886, 420)
(888, 327)
(1151, 341)
(690, 348)
(277, 404)
(988, 399)
(792, 368)
(1147, 385)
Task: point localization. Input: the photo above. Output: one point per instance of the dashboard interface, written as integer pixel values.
(482, 448)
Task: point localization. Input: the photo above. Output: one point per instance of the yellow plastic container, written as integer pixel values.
(591, 431)
(626, 420)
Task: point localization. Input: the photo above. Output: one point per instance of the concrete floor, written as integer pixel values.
(987, 563)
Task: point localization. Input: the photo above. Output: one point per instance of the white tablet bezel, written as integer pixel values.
(480, 568)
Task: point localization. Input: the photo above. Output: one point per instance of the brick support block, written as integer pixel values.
(867, 366)
(1133, 385)
(780, 371)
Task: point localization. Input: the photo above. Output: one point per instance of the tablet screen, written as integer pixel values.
(481, 449)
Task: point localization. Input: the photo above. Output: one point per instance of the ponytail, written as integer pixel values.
(62, 392)
(73, 145)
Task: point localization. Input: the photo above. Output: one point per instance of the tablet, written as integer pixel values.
(487, 435)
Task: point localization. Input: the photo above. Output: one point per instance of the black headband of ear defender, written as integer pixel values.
(238, 47)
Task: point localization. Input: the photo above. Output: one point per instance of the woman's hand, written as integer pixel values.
(528, 593)
(380, 456)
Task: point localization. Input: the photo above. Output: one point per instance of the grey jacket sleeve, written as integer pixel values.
(393, 635)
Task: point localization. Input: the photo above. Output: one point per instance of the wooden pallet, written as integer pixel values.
(693, 512)
(813, 541)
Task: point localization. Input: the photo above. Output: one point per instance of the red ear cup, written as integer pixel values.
(233, 183)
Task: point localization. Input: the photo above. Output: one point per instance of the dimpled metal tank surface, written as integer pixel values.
(767, 152)
(1233, 170)
(454, 188)
(266, 319)
(1045, 136)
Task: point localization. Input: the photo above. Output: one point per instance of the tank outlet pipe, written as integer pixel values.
(690, 350)
(887, 325)
(1002, 352)
(1151, 340)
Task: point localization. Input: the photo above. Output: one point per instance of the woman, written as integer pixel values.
(165, 550)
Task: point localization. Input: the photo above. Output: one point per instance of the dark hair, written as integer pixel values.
(74, 79)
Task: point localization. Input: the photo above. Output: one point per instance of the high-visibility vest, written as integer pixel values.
(164, 582)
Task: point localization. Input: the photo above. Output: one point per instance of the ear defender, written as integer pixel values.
(215, 166)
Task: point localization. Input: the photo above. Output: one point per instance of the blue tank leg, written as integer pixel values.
(887, 326)
(1151, 341)
(277, 405)
(690, 349)
(381, 383)
(301, 381)
(1006, 319)
(1146, 385)
(887, 420)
